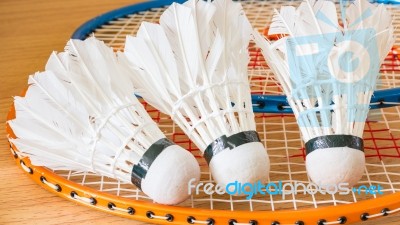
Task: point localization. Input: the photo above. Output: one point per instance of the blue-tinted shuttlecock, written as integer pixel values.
(329, 72)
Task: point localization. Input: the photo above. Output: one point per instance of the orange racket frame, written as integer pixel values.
(163, 214)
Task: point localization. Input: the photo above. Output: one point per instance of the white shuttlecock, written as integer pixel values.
(81, 114)
(193, 67)
(329, 73)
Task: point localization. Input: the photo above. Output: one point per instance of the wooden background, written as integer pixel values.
(29, 32)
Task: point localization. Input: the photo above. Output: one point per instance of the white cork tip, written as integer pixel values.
(332, 166)
(246, 163)
(166, 181)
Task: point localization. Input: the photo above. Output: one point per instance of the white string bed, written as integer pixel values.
(279, 132)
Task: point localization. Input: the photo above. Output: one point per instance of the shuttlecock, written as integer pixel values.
(81, 114)
(193, 67)
(328, 73)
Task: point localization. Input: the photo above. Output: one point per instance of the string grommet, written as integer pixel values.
(385, 212)
(253, 222)
(232, 222)
(299, 222)
(342, 219)
(190, 219)
(111, 206)
(72, 194)
(280, 107)
(210, 221)
(321, 222)
(364, 216)
(260, 104)
(93, 201)
(170, 217)
(131, 210)
(149, 214)
(15, 155)
(275, 223)
(58, 188)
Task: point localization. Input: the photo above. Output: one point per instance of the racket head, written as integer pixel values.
(381, 138)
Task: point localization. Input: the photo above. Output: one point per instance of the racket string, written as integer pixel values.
(25, 167)
(86, 200)
(128, 210)
(192, 220)
(333, 222)
(167, 217)
(394, 211)
(14, 153)
(200, 221)
(236, 223)
(384, 212)
(159, 217)
(55, 187)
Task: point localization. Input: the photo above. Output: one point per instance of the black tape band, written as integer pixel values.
(224, 142)
(334, 141)
(139, 170)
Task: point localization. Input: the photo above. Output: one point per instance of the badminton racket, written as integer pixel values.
(278, 131)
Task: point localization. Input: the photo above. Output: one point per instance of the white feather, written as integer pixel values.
(283, 21)
(165, 60)
(153, 54)
(180, 26)
(311, 17)
(205, 11)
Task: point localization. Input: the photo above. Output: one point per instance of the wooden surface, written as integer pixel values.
(29, 32)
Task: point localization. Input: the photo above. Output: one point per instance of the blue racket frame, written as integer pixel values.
(261, 103)
(90, 26)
